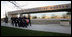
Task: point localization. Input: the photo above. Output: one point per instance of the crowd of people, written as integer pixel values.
(20, 21)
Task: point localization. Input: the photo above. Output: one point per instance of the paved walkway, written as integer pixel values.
(47, 28)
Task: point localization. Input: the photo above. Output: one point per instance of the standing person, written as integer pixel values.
(29, 19)
(20, 21)
(24, 22)
(12, 21)
(6, 19)
(16, 21)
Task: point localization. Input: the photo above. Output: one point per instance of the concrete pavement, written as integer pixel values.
(46, 28)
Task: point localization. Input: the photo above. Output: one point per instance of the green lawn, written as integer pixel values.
(8, 31)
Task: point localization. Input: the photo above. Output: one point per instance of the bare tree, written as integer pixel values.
(43, 16)
(69, 13)
(53, 16)
(14, 3)
(34, 17)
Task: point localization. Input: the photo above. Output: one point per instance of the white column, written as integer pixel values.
(9, 18)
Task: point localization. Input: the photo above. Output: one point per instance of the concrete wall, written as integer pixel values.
(45, 22)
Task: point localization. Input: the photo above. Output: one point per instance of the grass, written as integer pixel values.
(8, 31)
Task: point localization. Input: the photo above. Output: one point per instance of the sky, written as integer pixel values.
(7, 6)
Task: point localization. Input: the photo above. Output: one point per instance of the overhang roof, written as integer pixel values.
(46, 8)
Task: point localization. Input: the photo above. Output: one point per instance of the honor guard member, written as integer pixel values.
(20, 21)
(12, 21)
(16, 21)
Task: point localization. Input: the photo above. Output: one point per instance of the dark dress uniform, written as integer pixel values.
(24, 22)
(6, 20)
(16, 21)
(20, 21)
(12, 21)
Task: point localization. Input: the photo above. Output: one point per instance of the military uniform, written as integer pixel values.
(16, 21)
(20, 21)
(6, 20)
(12, 21)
